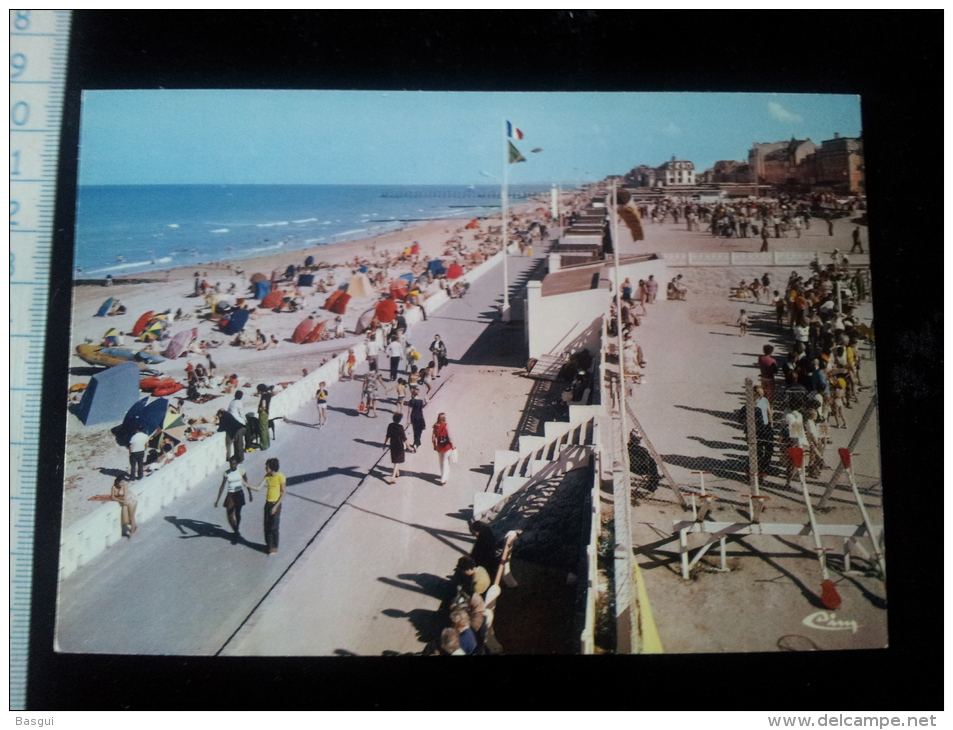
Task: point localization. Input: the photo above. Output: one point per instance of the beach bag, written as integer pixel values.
(443, 361)
(414, 355)
(454, 455)
(360, 407)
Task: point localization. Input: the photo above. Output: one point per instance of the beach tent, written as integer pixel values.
(258, 276)
(363, 270)
(236, 322)
(111, 336)
(436, 267)
(309, 261)
(302, 331)
(359, 286)
(290, 271)
(364, 321)
(335, 295)
(141, 323)
(340, 304)
(150, 416)
(262, 288)
(273, 299)
(315, 334)
(109, 394)
(415, 249)
(178, 344)
(409, 278)
(386, 310)
(105, 308)
(398, 288)
(455, 271)
(306, 280)
(472, 224)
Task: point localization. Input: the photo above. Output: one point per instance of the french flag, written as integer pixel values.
(512, 131)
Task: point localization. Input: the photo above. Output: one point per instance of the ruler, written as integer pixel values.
(38, 46)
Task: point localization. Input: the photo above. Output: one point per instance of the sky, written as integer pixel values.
(178, 137)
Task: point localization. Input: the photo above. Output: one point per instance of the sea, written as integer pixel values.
(129, 229)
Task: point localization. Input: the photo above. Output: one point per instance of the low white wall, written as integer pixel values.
(555, 322)
(87, 538)
(753, 258)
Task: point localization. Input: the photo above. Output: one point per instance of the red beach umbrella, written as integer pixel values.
(273, 299)
(455, 271)
(386, 310)
(302, 331)
(141, 323)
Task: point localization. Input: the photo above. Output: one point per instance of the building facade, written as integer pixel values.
(837, 164)
(777, 163)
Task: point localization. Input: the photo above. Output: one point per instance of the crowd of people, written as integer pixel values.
(821, 369)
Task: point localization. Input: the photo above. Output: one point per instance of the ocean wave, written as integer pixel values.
(131, 265)
(172, 225)
(314, 240)
(270, 225)
(348, 233)
(219, 230)
(325, 223)
(280, 244)
(305, 220)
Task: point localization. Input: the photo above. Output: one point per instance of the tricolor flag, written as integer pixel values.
(515, 155)
(512, 131)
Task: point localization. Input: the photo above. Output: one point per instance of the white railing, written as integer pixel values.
(752, 258)
(588, 638)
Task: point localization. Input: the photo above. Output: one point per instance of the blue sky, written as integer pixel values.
(393, 137)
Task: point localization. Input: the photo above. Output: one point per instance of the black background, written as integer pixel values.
(893, 60)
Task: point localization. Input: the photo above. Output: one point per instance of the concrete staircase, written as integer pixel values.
(564, 447)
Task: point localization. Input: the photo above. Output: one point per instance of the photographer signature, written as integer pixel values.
(828, 621)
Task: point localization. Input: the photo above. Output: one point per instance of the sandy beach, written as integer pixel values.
(93, 457)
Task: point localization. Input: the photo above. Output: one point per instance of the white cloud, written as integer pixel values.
(779, 112)
(672, 130)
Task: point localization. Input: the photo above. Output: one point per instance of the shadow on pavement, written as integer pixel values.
(347, 471)
(200, 528)
(427, 624)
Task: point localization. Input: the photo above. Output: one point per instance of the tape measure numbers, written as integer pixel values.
(38, 47)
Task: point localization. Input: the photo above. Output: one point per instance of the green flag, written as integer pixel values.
(515, 155)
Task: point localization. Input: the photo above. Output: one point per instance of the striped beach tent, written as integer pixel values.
(180, 342)
(303, 330)
(315, 334)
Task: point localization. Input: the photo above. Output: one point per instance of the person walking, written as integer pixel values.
(396, 440)
(373, 382)
(236, 437)
(373, 349)
(275, 482)
(234, 479)
(127, 501)
(856, 248)
(440, 437)
(396, 351)
(764, 238)
(415, 411)
(651, 288)
(321, 396)
(743, 323)
(137, 453)
(439, 350)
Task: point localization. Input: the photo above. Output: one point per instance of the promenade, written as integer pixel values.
(362, 563)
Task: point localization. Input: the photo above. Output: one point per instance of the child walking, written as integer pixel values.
(743, 322)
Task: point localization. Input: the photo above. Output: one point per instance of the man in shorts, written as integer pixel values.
(321, 396)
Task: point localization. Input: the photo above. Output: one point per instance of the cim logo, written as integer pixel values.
(828, 621)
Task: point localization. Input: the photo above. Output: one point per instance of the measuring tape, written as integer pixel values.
(38, 45)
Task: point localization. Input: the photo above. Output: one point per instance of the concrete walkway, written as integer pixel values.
(362, 563)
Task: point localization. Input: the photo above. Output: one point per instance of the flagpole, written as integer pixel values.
(506, 192)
